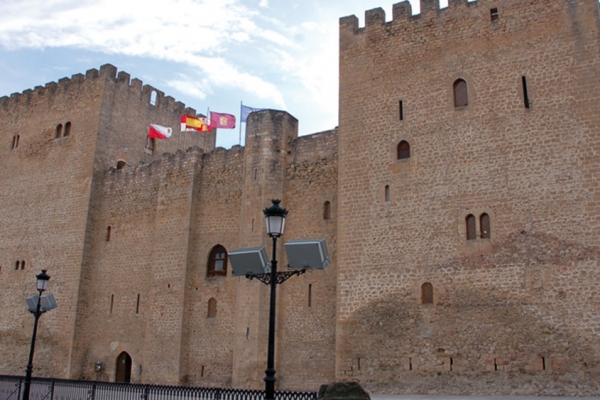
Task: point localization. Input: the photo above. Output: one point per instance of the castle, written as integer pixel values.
(459, 198)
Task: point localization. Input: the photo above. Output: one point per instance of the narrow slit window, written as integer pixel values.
(108, 230)
(67, 129)
(59, 129)
(326, 210)
(310, 294)
(387, 193)
(17, 265)
(427, 293)
(461, 96)
(403, 150)
(400, 111)
(137, 305)
(471, 227)
(484, 222)
(22, 264)
(112, 301)
(525, 94)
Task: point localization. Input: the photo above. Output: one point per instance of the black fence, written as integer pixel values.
(11, 388)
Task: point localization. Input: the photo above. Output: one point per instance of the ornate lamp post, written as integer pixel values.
(275, 216)
(303, 255)
(42, 284)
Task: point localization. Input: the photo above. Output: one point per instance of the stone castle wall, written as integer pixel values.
(127, 249)
(51, 197)
(145, 290)
(509, 315)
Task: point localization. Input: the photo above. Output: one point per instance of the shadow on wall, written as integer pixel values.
(520, 319)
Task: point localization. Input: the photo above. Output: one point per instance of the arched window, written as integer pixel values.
(22, 264)
(67, 129)
(217, 262)
(326, 210)
(121, 164)
(59, 128)
(471, 227)
(461, 95)
(212, 308)
(17, 265)
(123, 373)
(153, 97)
(403, 150)
(484, 223)
(427, 293)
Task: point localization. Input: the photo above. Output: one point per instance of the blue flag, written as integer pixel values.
(247, 110)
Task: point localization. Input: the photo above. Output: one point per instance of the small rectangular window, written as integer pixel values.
(494, 14)
(137, 306)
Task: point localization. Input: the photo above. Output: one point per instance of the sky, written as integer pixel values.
(209, 54)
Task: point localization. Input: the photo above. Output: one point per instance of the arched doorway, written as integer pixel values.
(123, 368)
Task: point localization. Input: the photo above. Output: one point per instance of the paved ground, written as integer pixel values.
(442, 397)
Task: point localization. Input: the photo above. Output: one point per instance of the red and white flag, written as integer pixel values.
(159, 132)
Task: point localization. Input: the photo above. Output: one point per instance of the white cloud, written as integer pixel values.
(184, 31)
(190, 86)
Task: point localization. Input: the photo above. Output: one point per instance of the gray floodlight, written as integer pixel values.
(307, 254)
(252, 260)
(48, 302)
(32, 303)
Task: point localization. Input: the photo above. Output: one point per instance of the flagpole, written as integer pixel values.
(185, 137)
(180, 133)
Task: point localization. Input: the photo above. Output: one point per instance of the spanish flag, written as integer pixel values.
(193, 124)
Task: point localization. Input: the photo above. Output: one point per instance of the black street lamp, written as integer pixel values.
(42, 284)
(303, 255)
(275, 216)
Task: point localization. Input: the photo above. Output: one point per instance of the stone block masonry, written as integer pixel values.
(511, 151)
(458, 198)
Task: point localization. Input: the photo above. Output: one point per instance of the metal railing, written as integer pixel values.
(11, 388)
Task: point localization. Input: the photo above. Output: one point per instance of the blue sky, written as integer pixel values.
(209, 54)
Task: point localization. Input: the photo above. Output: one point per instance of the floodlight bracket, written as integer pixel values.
(280, 277)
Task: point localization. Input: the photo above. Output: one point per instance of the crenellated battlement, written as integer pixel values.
(461, 18)
(107, 78)
(180, 160)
